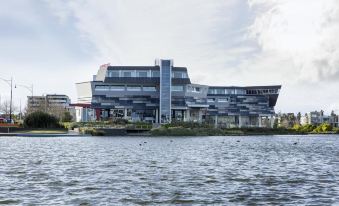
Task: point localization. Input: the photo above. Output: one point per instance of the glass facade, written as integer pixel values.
(165, 90)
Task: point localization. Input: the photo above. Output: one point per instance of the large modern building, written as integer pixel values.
(164, 93)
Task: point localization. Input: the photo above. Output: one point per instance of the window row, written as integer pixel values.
(262, 91)
(174, 88)
(220, 100)
(177, 88)
(194, 89)
(226, 91)
(125, 88)
(143, 73)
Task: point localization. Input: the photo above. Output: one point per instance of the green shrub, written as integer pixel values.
(41, 120)
(71, 125)
(169, 130)
(173, 132)
(304, 128)
(96, 132)
(119, 121)
(86, 130)
(325, 127)
(191, 125)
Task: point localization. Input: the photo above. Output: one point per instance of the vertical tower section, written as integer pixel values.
(165, 90)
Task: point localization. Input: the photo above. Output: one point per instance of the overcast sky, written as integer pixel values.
(54, 44)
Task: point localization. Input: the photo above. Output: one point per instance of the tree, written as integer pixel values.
(307, 118)
(56, 110)
(299, 117)
(5, 108)
(325, 127)
(67, 117)
(333, 114)
(276, 123)
(41, 119)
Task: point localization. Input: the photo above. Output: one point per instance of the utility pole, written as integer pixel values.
(20, 110)
(29, 88)
(10, 106)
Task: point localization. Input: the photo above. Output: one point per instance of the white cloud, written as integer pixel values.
(136, 32)
(304, 30)
(299, 47)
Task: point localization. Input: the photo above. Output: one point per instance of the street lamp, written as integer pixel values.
(29, 88)
(10, 83)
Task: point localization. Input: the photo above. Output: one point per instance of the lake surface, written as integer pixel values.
(256, 170)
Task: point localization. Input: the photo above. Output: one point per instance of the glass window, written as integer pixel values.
(211, 91)
(177, 88)
(240, 91)
(220, 91)
(133, 88)
(155, 74)
(229, 91)
(184, 75)
(223, 100)
(149, 89)
(127, 74)
(117, 88)
(210, 100)
(113, 73)
(166, 63)
(177, 75)
(196, 89)
(102, 88)
(142, 74)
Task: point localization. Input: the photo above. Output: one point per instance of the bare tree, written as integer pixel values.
(5, 108)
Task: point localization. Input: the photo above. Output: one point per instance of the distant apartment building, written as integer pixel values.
(317, 118)
(164, 93)
(47, 101)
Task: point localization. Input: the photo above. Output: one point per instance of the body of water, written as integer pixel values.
(256, 170)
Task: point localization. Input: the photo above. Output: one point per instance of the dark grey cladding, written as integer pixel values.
(133, 80)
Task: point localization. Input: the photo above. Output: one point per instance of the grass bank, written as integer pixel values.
(182, 131)
(196, 129)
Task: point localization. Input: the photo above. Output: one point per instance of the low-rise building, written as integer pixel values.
(45, 101)
(55, 104)
(318, 117)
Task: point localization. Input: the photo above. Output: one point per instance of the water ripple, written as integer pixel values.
(169, 170)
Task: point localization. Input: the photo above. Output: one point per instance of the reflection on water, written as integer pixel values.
(293, 170)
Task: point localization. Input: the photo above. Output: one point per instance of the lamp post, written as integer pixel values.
(10, 83)
(29, 88)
